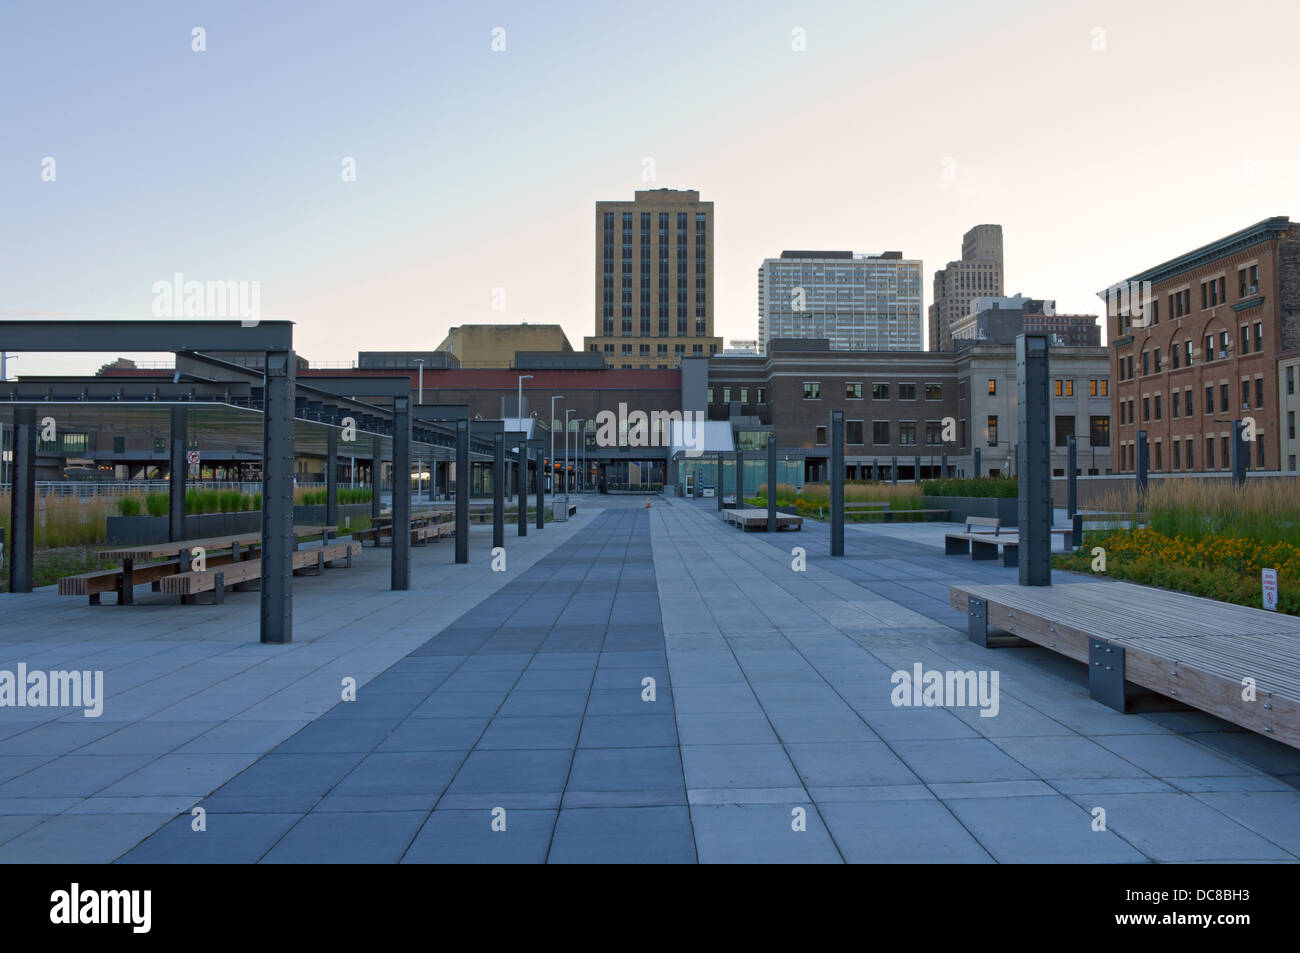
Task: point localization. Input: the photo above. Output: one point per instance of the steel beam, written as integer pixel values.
(1033, 463)
(178, 473)
(278, 538)
(837, 483)
(401, 565)
(22, 501)
(187, 335)
(462, 491)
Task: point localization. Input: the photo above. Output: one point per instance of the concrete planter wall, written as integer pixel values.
(1005, 509)
(142, 530)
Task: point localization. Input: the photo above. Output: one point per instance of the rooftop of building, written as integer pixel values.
(1261, 231)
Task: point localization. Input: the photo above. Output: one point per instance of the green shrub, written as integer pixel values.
(156, 504)
(1001, 487)
(128, 506)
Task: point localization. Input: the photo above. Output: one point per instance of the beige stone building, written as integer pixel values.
(978, 274)
(654, 280)
(494, 345)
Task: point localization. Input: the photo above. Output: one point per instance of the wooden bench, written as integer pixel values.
(757, 519)
(95, 584)
(882, 508)
(1194, 650)
(985, 544)
(216, 579)
(420, 533)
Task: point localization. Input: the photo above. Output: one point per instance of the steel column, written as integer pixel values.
(401, 510)
(943, 466)
(376, 470)
(718, 491)
(179, 472)
(1033, 464)
(521, 485)
(462, 491)
(332, 477)
(1240, 452)
(837, 483)
(977, 463)
(22, 502)
(771, 482)
(498, 489)
(1143, 461)
(740, 478)
(541, 486)
(277, 497)
(916, 469)
(893, 471)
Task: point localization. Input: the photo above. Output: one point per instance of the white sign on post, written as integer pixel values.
(1269, 579)
(192, 457)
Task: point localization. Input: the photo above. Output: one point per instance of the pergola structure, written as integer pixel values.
(373, 413)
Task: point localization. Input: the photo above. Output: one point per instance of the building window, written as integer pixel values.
(1227, 454)
(1157, 406)
(1099, 431)
(1259, 336)
(726, 395)
(880, 432)
(880, 392)
(934, 392)
(761, 395)
(853, 431)
(1064, 430)
(1223, 398)
(1209, 347)
(812, 390)
(1098, 388)
(1191, 462)
(961, 433)
(907, 433)
(1155, 361)
(1187, 352)
(993, 430)
(1290, 379)
(1290, 425)
(853, 391)
(907, 392)
(993, 387)
(934, 432)
(709, 399)
(1146, 363)
(1209, 399)
(1146, 409)
(1259, 393)
(1187, 403)
(1209, 453)
(1259, 458)
(1173, 356)
(821, 436)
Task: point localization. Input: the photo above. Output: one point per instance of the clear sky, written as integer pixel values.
(1104, 136)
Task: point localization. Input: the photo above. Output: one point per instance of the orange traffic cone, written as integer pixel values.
(647, 502)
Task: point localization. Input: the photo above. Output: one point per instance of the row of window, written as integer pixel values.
(853, 390)
(855, 433)
(1184, 454)
(1214, 292)
(644, 349)
(1181, 353)
(1180, 403)
(741, 394)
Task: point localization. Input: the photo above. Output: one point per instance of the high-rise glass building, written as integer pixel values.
(857, 302)
(654, 280)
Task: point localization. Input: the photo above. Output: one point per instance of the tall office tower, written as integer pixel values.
(654, 280)
(979, 274)
(857, 302)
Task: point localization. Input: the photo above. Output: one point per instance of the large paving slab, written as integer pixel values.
(642, 685)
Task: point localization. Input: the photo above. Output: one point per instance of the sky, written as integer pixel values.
(1105, 137)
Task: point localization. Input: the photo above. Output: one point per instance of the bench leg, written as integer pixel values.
(1011, 556)
(955, 547)
(320, 564)
(1106, 674)
(982, 550)
(977, 621)
(94, 598)
(219, 590)
(126, 595)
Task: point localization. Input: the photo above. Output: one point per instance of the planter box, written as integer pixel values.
(1007, 509)
(142, 530)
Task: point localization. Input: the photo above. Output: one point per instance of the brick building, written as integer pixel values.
(1195, 345)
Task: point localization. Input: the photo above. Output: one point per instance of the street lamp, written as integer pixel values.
(420, 363)
(550, 425)
(566, 455)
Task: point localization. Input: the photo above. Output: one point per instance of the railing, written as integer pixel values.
(78, 488)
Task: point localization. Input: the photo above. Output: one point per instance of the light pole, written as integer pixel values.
(420, 363)
(550, 425)
(519, 413)
(566, 456)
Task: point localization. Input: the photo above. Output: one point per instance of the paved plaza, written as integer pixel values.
(640, 685)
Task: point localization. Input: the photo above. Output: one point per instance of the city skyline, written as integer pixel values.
(225, 166)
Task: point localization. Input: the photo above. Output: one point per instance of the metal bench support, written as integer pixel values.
(1106, 673)
(977, 622)
(219, 589)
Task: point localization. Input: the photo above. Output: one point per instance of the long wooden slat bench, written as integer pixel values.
(95, 584)
(216, 579)
(757, 519)
(419, 534)
(884, 509)
(1238, 663)
(984, 537)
